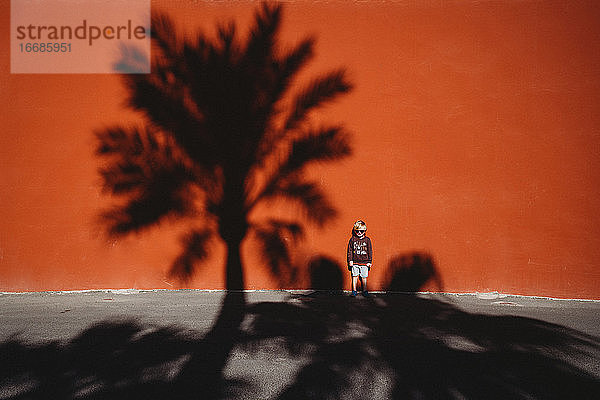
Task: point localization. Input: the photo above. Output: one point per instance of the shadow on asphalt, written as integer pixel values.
(387, 346)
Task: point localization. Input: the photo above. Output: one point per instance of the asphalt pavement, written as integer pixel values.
(300, 344)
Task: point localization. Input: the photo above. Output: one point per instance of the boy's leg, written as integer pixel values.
(363, 278)
(355, 274)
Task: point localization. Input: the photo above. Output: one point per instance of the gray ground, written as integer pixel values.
(386, 346)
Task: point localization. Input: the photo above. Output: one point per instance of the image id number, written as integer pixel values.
(45, 47)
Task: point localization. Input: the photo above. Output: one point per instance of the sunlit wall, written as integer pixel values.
(476, 139)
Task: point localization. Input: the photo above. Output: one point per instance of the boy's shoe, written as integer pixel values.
(366, 294)
(353, 294)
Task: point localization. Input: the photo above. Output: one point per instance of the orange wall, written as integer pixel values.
(476, 136)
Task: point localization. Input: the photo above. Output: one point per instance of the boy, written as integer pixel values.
(360, 256)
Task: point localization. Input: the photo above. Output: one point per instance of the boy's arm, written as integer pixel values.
(369, 252)
(349, 253)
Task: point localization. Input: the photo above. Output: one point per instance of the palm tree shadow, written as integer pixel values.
(402, 346)
(226, 131)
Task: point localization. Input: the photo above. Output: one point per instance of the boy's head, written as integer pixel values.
(359, 228)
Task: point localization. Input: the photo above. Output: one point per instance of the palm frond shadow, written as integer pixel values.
(411, 272)
(325, 274)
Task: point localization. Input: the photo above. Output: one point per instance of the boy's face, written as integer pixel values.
(360, 232)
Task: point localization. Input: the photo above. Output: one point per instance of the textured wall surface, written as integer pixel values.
(476, 139)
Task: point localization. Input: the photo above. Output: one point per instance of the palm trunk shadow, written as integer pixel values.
(203, 375)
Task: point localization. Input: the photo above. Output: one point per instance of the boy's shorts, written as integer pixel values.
(360, 270)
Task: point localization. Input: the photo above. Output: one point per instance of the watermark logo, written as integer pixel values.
(80, 36)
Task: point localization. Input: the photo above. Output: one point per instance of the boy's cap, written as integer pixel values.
(360, 225)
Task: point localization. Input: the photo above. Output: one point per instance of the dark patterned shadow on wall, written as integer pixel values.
(411, 272)
(325, 274)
